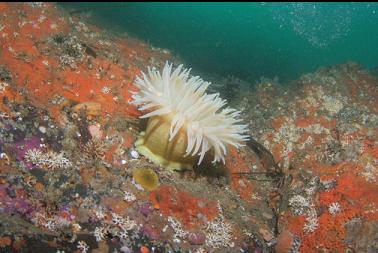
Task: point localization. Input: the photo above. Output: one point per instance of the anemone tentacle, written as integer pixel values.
(208, 125)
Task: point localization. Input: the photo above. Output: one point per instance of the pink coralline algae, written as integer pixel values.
(22, 147)
(196, 238)
(146, 209)
(14, 201)
(150, 232)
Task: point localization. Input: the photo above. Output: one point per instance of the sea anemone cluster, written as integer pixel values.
(184, 121)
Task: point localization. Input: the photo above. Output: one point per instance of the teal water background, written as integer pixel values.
(250, 40)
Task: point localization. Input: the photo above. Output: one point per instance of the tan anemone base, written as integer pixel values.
(155, 145)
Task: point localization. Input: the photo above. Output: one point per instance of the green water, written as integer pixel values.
(250, 40)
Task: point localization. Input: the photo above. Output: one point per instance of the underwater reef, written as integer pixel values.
(72, 179)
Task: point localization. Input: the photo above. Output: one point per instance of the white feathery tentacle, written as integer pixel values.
(208, 125)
